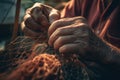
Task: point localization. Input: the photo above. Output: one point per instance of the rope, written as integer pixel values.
(16, 22)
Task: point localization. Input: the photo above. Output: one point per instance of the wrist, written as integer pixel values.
(105, 52)
(115, 55)
(100, 50)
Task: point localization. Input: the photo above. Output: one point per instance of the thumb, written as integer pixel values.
(54, 15)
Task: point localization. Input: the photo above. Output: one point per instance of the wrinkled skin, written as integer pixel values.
(38, 18)
(67, 35)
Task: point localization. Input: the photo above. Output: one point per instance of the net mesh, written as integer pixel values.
(27, 59)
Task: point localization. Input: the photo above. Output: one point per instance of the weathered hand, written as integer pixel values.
(38, 18)
(72, 35)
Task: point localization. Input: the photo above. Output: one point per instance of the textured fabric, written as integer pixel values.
(103, 17)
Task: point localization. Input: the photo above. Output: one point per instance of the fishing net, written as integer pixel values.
(26, 59)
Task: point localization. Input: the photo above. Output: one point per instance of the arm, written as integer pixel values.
(75, 36)
(110, 55)
(95, 44)
(100, 46)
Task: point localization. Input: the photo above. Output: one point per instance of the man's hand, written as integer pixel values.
(73, 35)
(38, 18)
(69, 35)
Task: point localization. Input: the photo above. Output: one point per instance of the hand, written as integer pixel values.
(72, 35)
(38, 18)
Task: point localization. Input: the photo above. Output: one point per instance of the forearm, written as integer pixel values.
(107, 53)
(114, 56)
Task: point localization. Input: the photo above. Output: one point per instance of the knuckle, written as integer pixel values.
(35, 10)
(56, 23)
(28, 11)
(82, 18)
(59, 31)
(63, 49)
(53, 16)
(81, 26)
(53, 27)
(54, 13)
(59, 41)
(36, 7)
(37, 4)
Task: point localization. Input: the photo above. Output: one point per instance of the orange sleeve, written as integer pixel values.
(70, 8)
(78, 8)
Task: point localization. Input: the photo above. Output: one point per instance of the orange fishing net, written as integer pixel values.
(24, 59)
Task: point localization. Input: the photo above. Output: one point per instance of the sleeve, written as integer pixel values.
(71, 8)
(78, 8)
(90, 9)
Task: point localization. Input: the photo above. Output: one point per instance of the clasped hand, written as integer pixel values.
(67, 35)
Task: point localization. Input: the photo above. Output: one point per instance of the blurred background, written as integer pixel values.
(7, 15)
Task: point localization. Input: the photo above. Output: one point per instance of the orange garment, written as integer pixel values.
(103, 17)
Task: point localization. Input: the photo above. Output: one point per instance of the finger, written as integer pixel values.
(60, 32)
(54, 15)
(64, 22)
(57, 24)
(51, 13)
(31, 24)
(69, 48)
(44, 21)
(38, 15)
(28, 11)
(29, 32)
(62, 40)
